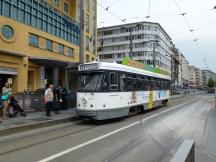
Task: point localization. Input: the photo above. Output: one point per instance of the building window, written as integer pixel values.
(33, 40)
(87, 58)
(7, 32)
(87, 23)
(61, 49)
(56, 2)
(40, 15)
(87, 5)
(65, 7)
(87, 43)
(70, 52)
(49, 45)
(79, 9)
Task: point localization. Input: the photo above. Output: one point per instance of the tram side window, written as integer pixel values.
(113, 81)
(167, 85)
(139, 83)
(131, 82)
(158, 84)
(123, 82)
(104, 83)
(146, 85)
(152, 83)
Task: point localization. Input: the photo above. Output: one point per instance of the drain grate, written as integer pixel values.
(40, 119)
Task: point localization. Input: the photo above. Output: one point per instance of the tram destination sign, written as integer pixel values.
(88, 67)
(139, 65)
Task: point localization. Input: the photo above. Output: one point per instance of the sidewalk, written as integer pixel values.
(176, 96)
(35, 120)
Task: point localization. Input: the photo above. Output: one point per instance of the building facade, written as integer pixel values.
(39, 38)
(146, 42)
(207, 74)
(175, 69)
(192, 78)
(185, 71)
(199, 78)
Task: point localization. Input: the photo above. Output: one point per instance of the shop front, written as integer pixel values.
(8, 75)
(51, 71)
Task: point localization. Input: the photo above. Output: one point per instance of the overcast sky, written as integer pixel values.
(200, 17)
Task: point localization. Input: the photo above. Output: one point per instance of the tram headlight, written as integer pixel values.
(84, 101)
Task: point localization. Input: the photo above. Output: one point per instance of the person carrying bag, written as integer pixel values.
(6, 93)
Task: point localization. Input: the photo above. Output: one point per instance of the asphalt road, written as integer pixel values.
(152, 136)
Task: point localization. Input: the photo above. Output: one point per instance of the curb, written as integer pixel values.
(177, 97)
(28, 127)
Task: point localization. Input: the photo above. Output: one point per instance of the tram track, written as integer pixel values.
(65, 131)
(77, 127)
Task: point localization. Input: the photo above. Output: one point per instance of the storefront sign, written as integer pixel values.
(7, 70)
(88, 67)
(10, 80)
(136, 64)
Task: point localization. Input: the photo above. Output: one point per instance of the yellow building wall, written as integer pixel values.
(20, 45)
(90, 34)
(19, 81)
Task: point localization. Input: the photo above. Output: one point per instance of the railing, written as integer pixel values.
(35, 102)
(185, 153)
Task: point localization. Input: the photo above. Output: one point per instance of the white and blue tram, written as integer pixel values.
(111, 90)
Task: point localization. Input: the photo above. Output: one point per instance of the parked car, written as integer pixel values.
(68, 99)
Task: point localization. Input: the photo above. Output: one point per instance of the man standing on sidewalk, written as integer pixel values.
(49, 99)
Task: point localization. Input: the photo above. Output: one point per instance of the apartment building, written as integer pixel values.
(192, 78)
(185, 71)
(146, 42)
(207, 74)
(199, 78)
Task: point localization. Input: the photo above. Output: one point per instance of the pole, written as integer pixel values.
(131, 43)
(81, 54)
(154, 54)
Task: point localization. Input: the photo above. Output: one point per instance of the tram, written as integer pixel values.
(111, 90)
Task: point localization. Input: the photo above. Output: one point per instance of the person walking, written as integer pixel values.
(49, 97)
(6, 93)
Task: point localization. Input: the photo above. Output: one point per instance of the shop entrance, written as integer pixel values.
(4, 79)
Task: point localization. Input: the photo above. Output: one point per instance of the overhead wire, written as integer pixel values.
(195, 39)
(132, 10)
(111, 12)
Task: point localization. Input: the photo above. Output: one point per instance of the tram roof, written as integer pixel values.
(124, 68)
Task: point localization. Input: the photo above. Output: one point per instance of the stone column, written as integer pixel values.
(55, 76)
(22, 79)
(42, 77)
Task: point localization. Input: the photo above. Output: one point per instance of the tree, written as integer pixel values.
(211, 83)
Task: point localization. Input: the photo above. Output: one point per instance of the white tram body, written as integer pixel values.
(106, 90)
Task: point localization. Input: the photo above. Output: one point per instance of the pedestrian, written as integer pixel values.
(57, 98)
(6, 93)
(49, 97)
(1, 107)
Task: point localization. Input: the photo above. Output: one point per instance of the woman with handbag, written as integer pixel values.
(6, 92)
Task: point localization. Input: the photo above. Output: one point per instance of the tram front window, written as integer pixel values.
(92, 82)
